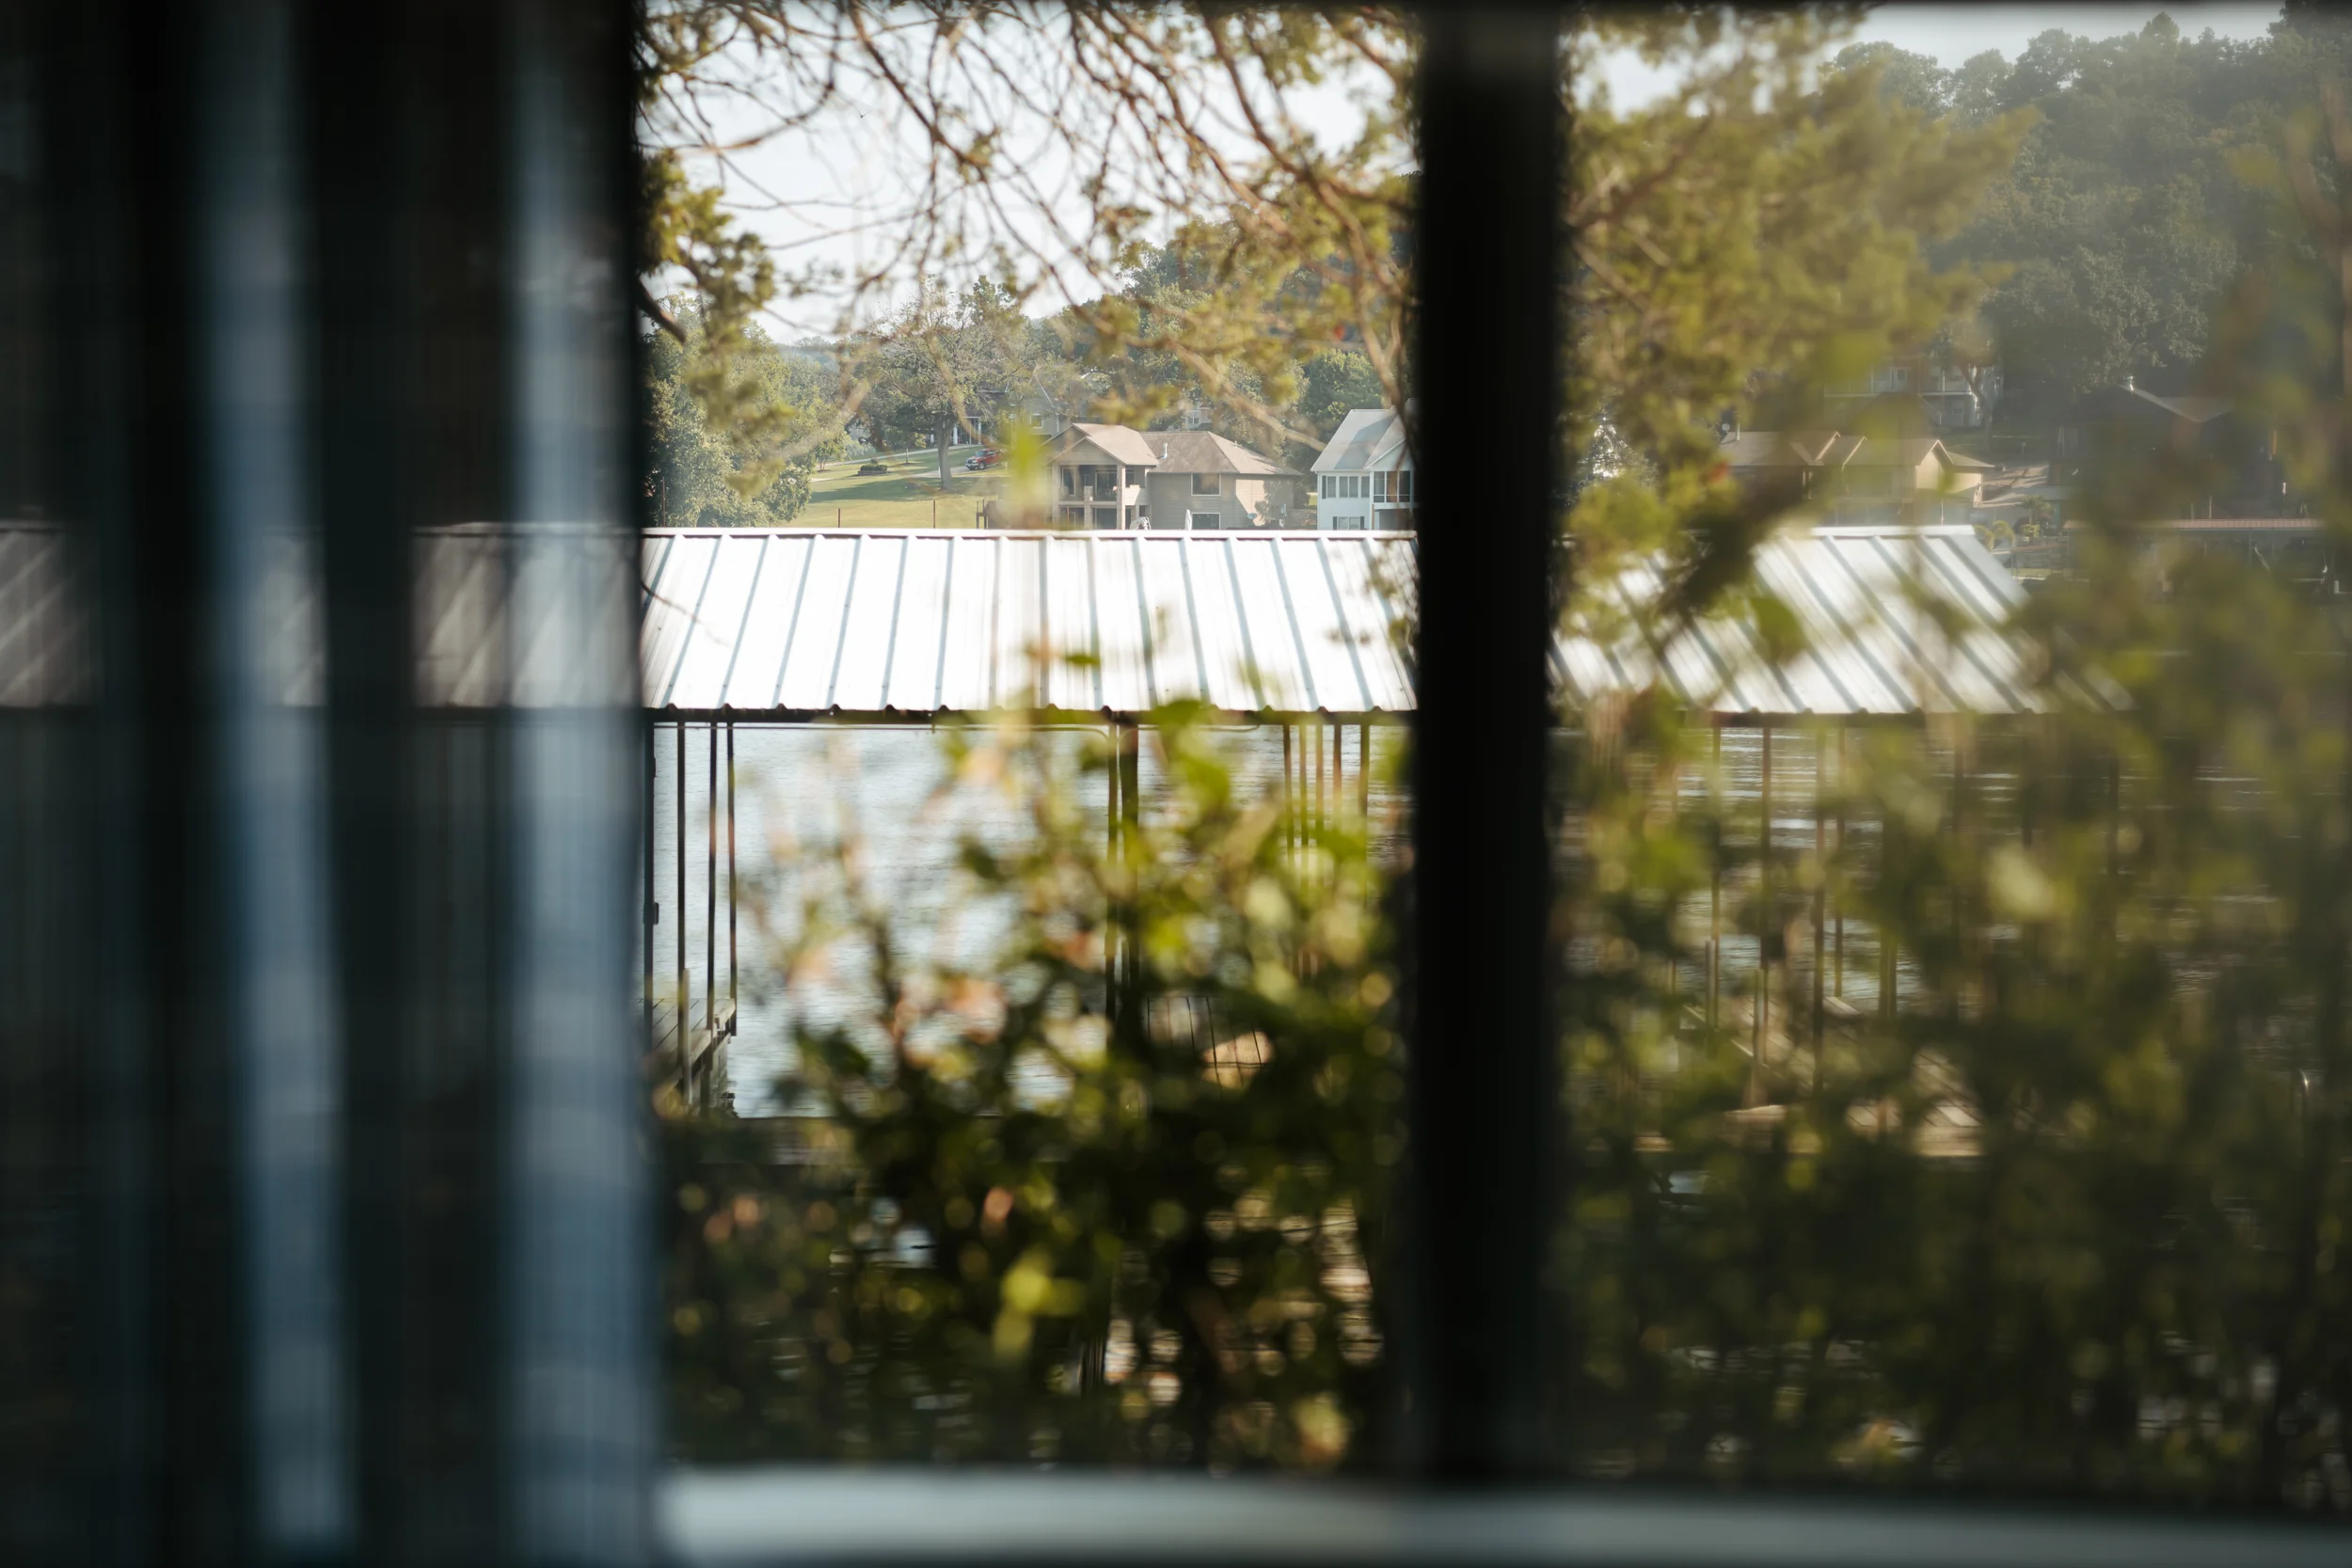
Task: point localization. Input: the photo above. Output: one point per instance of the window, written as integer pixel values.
(1883, 1035)
(1205, 484)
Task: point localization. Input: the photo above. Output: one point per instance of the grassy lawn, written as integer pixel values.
(903, 497)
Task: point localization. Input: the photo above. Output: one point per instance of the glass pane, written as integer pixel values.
(1026, 746)
(1951, 758)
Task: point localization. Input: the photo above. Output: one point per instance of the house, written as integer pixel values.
(1364, 475)
(1860, 478)
(2110, 437)
(1099, 471)
(1952, 396)
(1109, 476)
(1205, 481)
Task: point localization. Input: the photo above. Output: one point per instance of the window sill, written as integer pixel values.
(715, 1517)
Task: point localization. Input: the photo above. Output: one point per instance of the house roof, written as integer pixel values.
(1202, 452)
(2136, 404)
(1367, 439)
(1830, 449)
(1114, 441)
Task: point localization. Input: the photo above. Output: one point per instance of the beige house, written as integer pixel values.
(1108, 476)
(1861, 478)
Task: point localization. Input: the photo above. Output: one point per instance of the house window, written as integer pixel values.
(1205, 520)
(1326, 486)
(1069, 481)
(1205, 484)
(1107, 517)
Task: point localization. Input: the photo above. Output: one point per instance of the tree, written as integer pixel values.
(1751, 233)
(2122, 225)
(941, 365)
(1330, 384)
(741, 455)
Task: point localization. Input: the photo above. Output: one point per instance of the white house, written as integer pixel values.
(1364, 477)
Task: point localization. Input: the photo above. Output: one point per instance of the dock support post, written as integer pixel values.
(1715, 887)
(1323, 812)
(1840, 914)
(685, 975)
(710, 896)
(735, 1014)
(650, 916)
(1363, 772)
(1820, 890)
(1762, 1019)
(1289, 797)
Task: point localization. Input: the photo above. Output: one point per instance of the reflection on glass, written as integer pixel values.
(1953, 759)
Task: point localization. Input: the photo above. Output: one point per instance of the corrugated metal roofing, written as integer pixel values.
(803, 622)
(1895, 622)
(795, 622)
(798, 623)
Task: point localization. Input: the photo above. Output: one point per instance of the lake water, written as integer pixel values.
(801, 788)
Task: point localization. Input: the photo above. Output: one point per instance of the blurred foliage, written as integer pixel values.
(1748, 233)
(1113, 1194)
(2065, 1210)
(2043, 1186)
(2123, 226)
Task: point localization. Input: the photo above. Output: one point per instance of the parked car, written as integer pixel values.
(987, 457)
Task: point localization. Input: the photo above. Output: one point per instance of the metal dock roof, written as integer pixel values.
(805, 623)
(792, 624)
(1894, 620)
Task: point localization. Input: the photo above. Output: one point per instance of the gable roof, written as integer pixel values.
(2137, 406)
(1114, 441)
(1831, 449)
(1202, 452)
(1365, 439)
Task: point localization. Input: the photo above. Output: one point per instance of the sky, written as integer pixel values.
(1951, 34)
(825, 179)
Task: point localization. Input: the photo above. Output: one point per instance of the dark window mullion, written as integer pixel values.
(1483, 1107)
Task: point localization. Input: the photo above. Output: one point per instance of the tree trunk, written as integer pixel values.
(943, 432)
